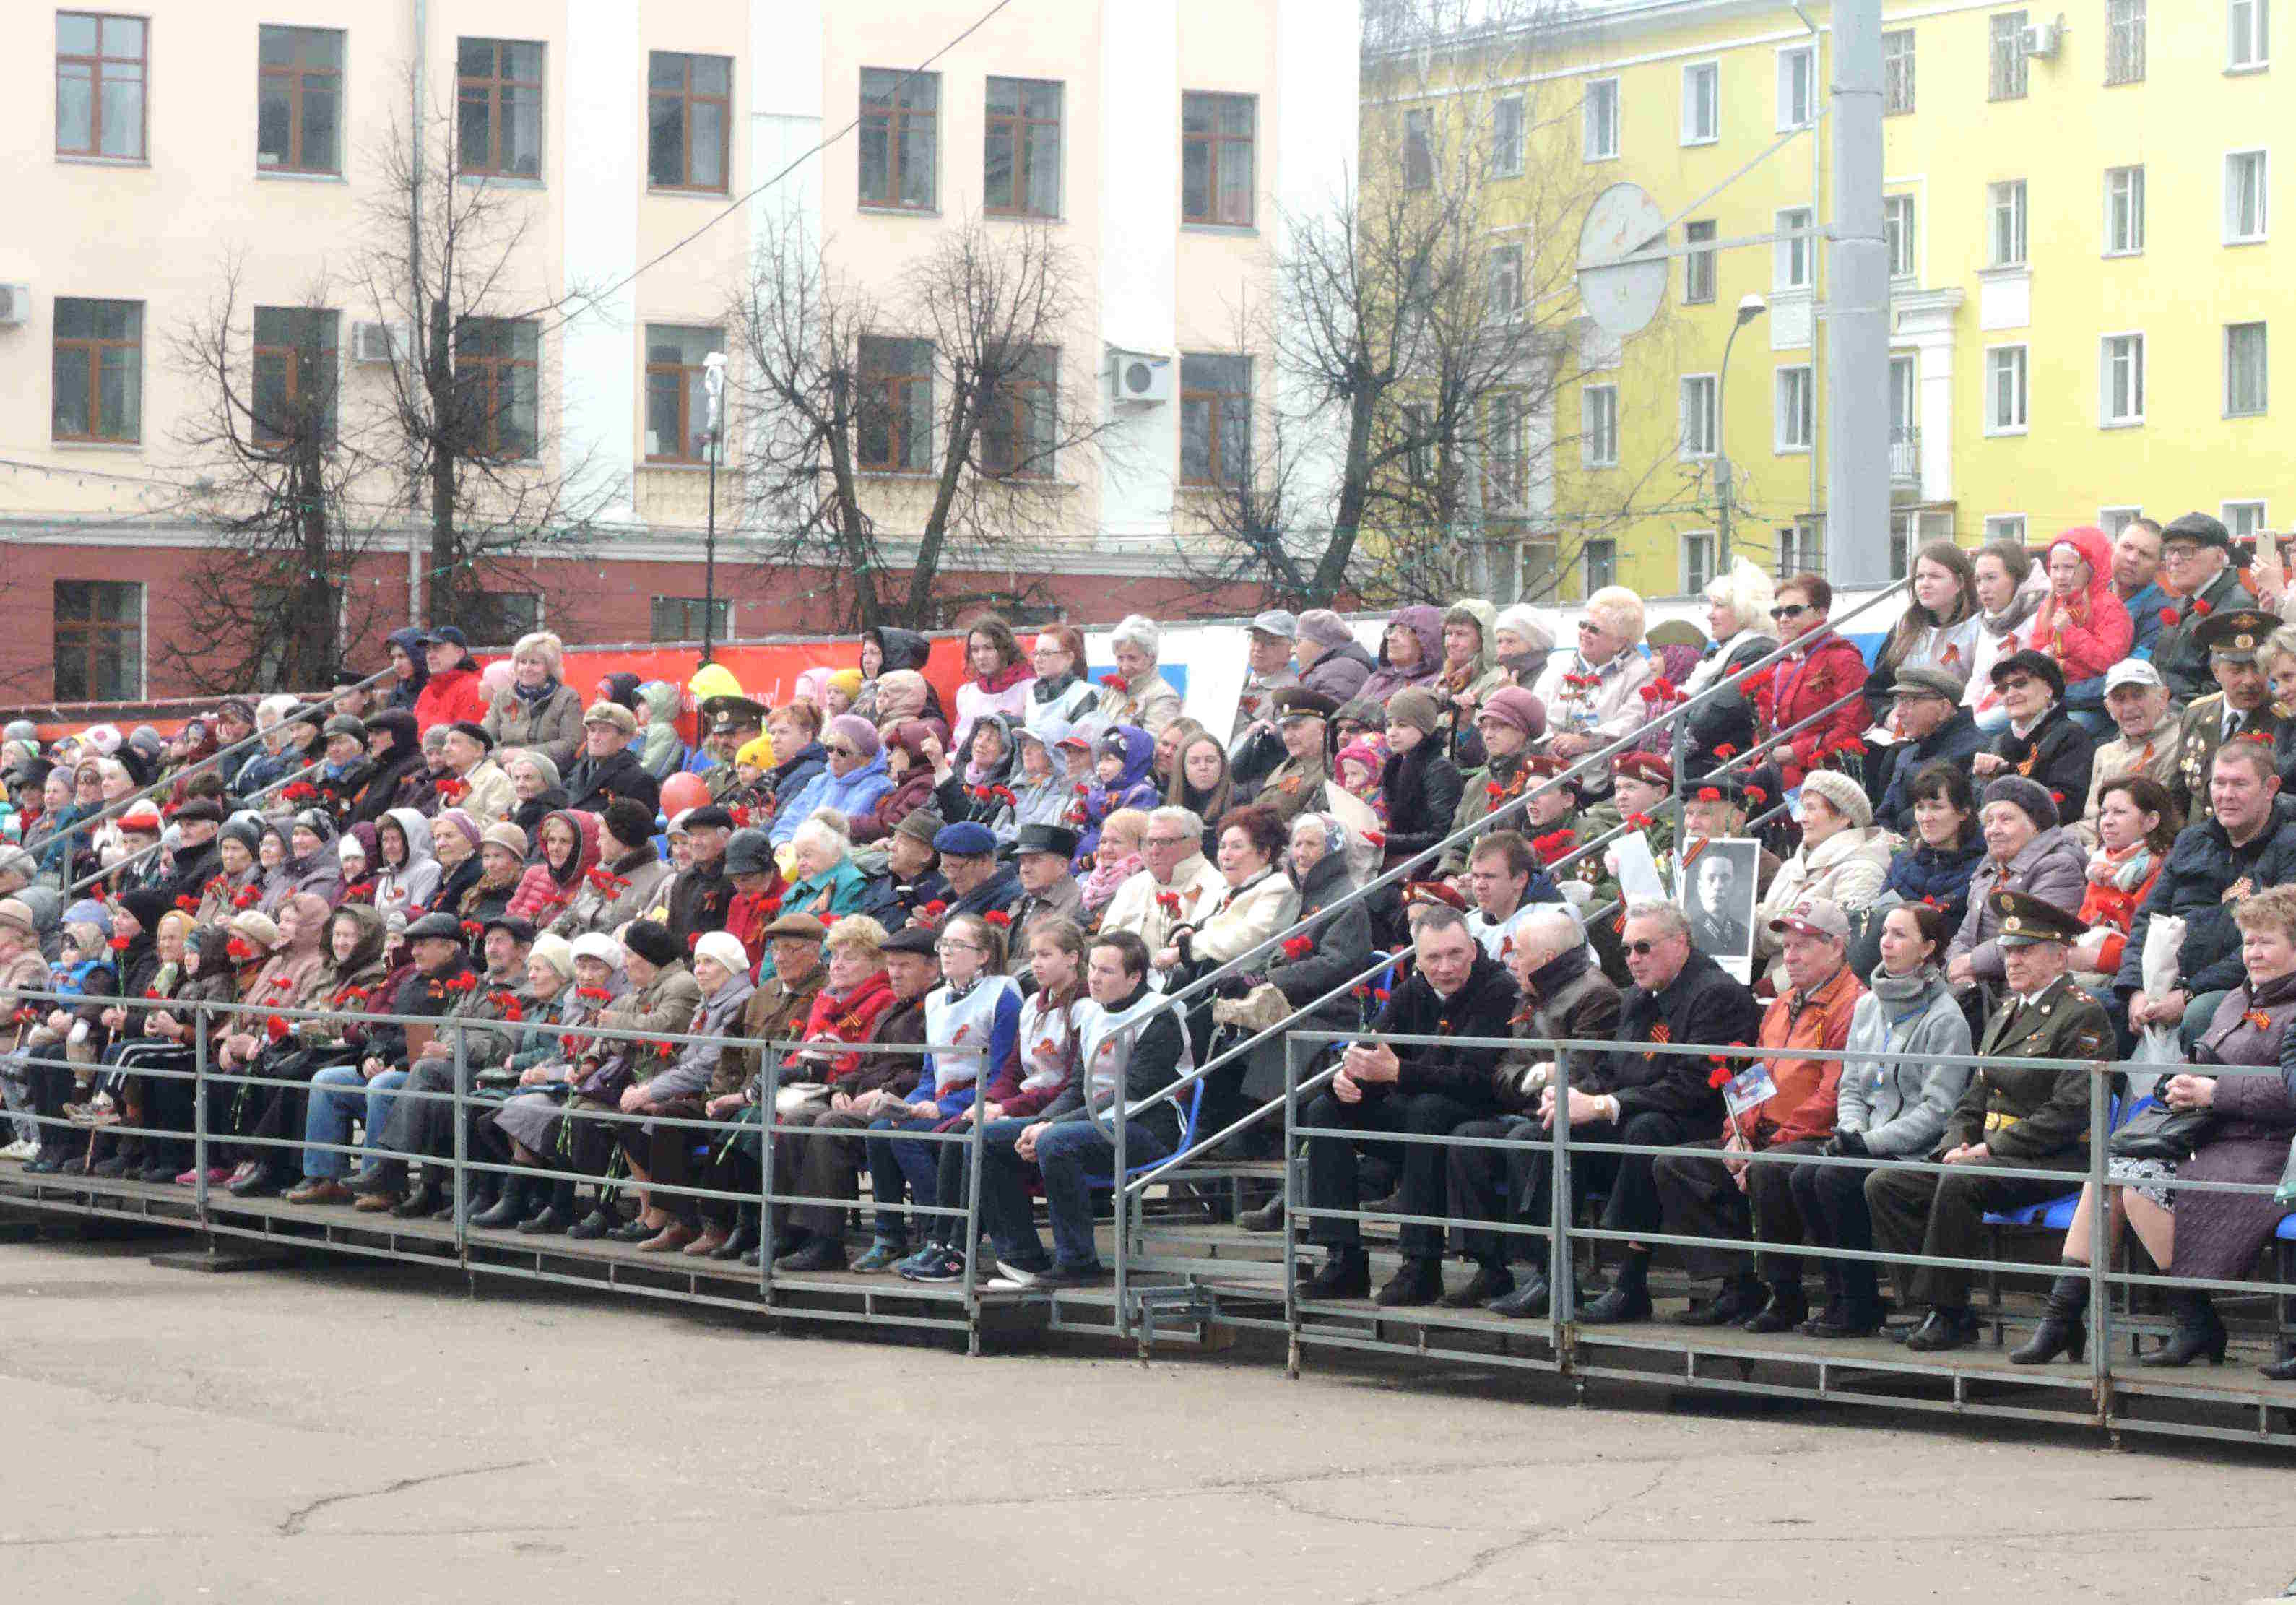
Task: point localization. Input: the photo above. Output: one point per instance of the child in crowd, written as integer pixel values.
(1357, 768)
(1121, 759)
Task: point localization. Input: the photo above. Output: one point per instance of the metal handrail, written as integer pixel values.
(139, 856)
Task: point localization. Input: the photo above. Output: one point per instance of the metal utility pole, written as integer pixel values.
(1857, 310)
(1749, 309)
(713, 384)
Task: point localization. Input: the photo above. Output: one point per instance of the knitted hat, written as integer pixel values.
(651, 941)
(256, 926)
(2029, 797)
(1527, 622)
(555, 951)
(1845, 796)
(470, 729)
(629, 822)
(1517, 708)
(1413, 709)
(505, 835)
(544, 764)
(87, 911)
(758, 753)
(857, 730)
(597, 945)
(848, 681)
(726, 948)
(461, 823)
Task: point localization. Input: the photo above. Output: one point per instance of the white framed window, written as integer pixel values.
(1598, 425)
(1602, 119)
(2004, 391)
(1898, 229)
(1697, 415)
(2245, 520)
(2124, 41)
(1790, 259)
(1698, 266)
(1506, 451)
(2245, 390)
(1701, 102)
(1905, 376)
(2120, 380)
(2124, 211)
(2004, 205)
(2248, 35)
(2007, 77)
(1802, 547)
(2112, 520)
(1697, 562)
(2005, 526)
(2244, 205)
(1897, 71)
(1505, 160)
(1504, 291)
(1601, 559)
(1796, 410)
(1797, 86)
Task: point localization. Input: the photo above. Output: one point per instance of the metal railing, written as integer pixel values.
(106, 872)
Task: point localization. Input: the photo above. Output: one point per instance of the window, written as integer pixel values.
(2120, 392)
(2244, 369)
(1506, 137)
(676, 404)
(2112, 520)
(1020, 172)
(1796, 409)
(2005, 202)
(2248, 42)
(1506, 451)
(1698, 266)
(298, 100)
(498, 108)
(1018, 427)
(1503, 275)
(1802, 547)
(2124, 41)
(1797, 86)
(1698, 415)
(2008, 78)
(1898, 229)
(1701, 103)
(1215, 420)
(1418, 149)
(1601, 559)
(1897, 71)
(2124, 211)
(689, 107)
(679, 618)
(2005, 526)
(1905, 406)
(1218, 159)
(495, 375)
(1598, 425)
(101, 64)
(1790, 262)
(295, 372)
(2244, 197)
(2005, 389)
(1602, 115)
(894, 414)
(99, 626)
(99, 371)
(2245, 520)
(497, 615)
(1697, 562)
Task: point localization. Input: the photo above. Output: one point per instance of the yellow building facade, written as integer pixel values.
(2085, 277)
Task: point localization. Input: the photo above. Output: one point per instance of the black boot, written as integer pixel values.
(1788, 1308)
(1734, 1301)
(508, 1210)
(1346, 1274)
(1628, 1298)
(1533, 1299)
(2063, 1329)
(2283, 1369)
(743, 1237)
(422, 1202)
(1419, 1280)
(2199, 1331)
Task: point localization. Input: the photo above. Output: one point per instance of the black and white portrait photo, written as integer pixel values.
(1719, 892)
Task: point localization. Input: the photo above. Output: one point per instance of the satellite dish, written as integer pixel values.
(1621, 298)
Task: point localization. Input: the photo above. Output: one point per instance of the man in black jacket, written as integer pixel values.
(2196, 562)
(1931, 722)
(1455, 990)
(607, 769)
(198, 857)
(700, 897)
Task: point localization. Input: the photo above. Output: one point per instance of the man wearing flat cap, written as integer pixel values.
(1254, 747)
(2021, 1118)
(1047, 888)
(608, 768)
(701, 896)
(2148, 729)
(2196, 559)
(1931, 722)
(2242, 704)
(2042, 743)
(344, 769)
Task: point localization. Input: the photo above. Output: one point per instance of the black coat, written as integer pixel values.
(1340, 950)
(1890, 774)
(1483, 1008)
(2182, 661)
(1422, 792)
(699, 900)
(593, 784)
(2057, 754)
(2203, 867)
(1702, 1004)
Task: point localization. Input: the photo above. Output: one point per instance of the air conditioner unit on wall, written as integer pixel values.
(15, 303)
(374, 342)
(2044, 39)
(1139, 376)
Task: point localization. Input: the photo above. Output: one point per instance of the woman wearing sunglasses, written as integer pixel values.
(1820, 669)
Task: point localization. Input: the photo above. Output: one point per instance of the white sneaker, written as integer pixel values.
(20, 1150)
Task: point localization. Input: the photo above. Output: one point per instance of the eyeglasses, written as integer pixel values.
(1642, 950)
(946, 945)
(1164, 841)
(1587, 627)
(1790, 610)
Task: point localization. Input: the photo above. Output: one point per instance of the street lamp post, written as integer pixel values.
(713, 386)
(1749, 309)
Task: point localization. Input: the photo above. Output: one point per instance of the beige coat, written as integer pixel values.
(1196, 883)
(492, 799)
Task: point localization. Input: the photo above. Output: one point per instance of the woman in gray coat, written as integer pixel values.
(540, 712)
(1893, 1106)
(2026, 850)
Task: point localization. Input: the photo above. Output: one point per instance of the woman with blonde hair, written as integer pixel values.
(1737, 618)
(540, 712)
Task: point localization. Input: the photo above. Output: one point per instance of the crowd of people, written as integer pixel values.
(958, 911)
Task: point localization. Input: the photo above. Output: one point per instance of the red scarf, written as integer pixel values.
(1004, 679)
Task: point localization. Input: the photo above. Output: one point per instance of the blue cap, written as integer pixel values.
(965, 839)
(87, 911)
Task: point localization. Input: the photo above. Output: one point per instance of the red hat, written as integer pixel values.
(1644, 766)
(1434, 891)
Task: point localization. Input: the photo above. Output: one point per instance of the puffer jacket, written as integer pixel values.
(2051, 867)
(2092, 632)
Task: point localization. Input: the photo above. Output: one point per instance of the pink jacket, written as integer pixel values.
(2092, 633)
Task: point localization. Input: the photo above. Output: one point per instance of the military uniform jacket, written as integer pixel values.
(2197, 740)
(1291, 789)
(2034, 1115)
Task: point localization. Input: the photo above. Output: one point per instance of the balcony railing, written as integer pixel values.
(1905, 458)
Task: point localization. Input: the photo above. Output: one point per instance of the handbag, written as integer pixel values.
(2157, 1131)
(801, 1097)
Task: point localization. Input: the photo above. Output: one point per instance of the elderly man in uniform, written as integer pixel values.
(2023, 1119)
(2242, 703)
(1296, 785)
(2196, 560)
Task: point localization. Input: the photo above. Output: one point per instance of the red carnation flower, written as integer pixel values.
(1641, 822)
(1719, 1077)
(274, 1027)
(238, 950)
(595, 995)
(1299, 947)
(569, 1044)
(998, 918)
(934, 911)
(1169, 902)
(473, 930)
(2201, 609)
(1494, 790)
(1756, 794)
(188, 904)
(247, 896)
(741, 812)
(1082, 787)
(1725, 750)
(151, 992)
(771, 906)
(2169, 616)
(1709, 794)
(281, 983)
(118, 944)
(829, 920)
(1116, 683)
(1003, 794)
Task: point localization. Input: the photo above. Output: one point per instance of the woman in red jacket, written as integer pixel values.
(452, 692)
(1821, 667)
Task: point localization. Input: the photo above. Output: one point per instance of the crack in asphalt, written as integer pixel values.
(295, 1520)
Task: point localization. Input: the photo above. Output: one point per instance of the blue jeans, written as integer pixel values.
(337, 1093)
(1067, 1154)
(893, 1164)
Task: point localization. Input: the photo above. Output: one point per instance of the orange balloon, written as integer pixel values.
(682, 791)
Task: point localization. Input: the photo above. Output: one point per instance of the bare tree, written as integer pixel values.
(1422, 331)
(892, 439)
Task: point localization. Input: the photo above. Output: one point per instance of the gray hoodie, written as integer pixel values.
(406, 890)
